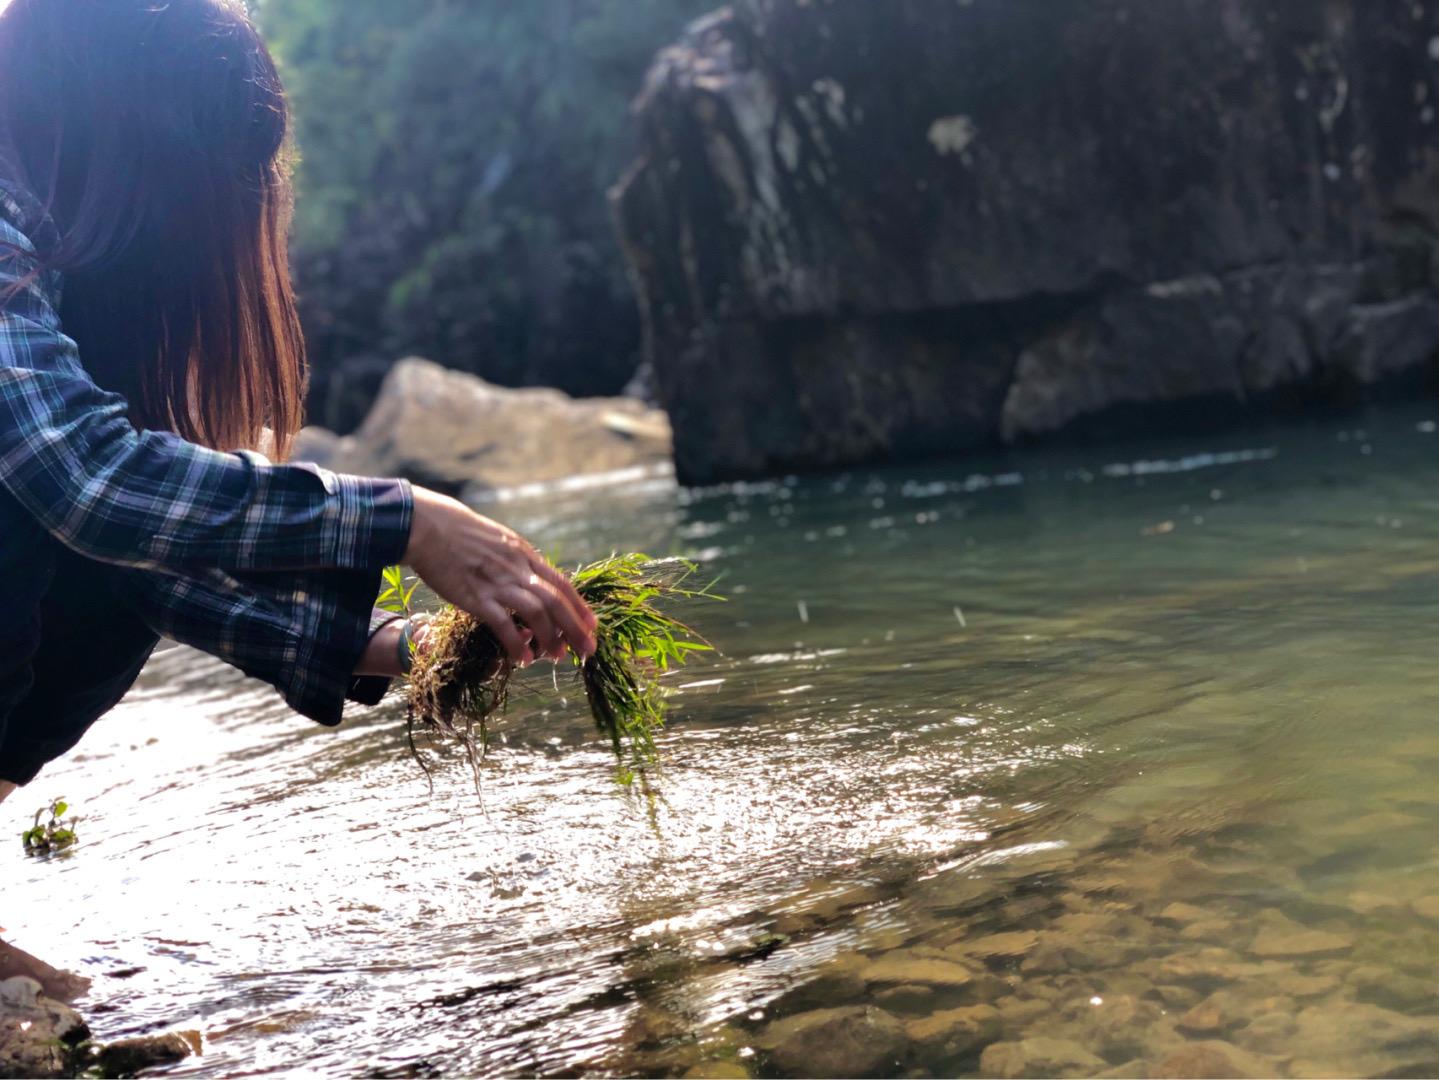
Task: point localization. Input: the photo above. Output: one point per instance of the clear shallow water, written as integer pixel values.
(1058, 763)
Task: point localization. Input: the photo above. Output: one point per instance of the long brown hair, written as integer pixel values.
(154, 134)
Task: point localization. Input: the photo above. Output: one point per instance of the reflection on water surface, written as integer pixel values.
(1059, 764)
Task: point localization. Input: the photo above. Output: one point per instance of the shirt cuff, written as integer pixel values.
(331, 649)
(371, 689)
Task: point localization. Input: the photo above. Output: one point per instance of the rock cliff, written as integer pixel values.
(863, 231)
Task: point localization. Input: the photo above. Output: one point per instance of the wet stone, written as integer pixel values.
(128, 1056)
(1039, 1056)
(1298, 985)
(1376, 985)
(1120, 1026)
(1281, 936)
(1049, 958)
(1271, 1033)
(1368, 903)
(1001, 946)
(1129, 1069)
(1182, 913)
(1208, 967)
(840, 982)
(1209, 1060)
(906, 998)
(1204, 1019)
(955, 1032)
(911, 967)
(854, 1041)
(1215, 930)
(37, 1035)
(1178, 997)
(1018, 1012)
(1089, 924)
(1346, 1038)
(717, 1070)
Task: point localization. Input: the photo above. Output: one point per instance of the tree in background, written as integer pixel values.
(454, 161)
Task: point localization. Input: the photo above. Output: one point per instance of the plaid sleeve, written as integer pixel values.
(303, 633)
(70, 456)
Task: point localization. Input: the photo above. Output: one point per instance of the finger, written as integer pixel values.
(566, 589)
(502, 625)
(531, 610)
(577, 630)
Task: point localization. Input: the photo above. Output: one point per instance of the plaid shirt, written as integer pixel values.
(272, 568)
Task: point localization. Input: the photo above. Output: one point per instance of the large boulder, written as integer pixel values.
(874, 230)
(452, 431)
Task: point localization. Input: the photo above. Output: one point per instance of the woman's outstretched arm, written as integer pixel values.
(70, 456)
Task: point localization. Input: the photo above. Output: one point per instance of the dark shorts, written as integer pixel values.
(91, 650)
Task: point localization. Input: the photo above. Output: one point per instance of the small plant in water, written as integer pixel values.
(462, 678)
(57, 834)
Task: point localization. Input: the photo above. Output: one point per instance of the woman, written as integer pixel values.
(148, 348)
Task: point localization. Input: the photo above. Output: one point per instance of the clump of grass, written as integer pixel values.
(462, 679)
(57, 834)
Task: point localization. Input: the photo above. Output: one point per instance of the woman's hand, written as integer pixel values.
(490, 571)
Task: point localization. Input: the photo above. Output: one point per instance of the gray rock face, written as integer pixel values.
(450, 430)
(866, 231)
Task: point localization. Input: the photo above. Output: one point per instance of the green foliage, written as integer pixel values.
(454, 159)
(57, 834)
(637, 642)
(461, 679)
(397, 596)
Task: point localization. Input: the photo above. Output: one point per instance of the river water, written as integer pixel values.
(1056, 763)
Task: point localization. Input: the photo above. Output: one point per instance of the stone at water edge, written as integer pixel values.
(125, 1057)
(449, 430)
(857, 1040)
(64, 986)
(36, 1034)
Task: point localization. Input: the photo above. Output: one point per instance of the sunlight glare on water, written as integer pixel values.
(1083, 744)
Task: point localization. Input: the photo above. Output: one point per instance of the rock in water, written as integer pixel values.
(854, 1041)
(37, 1035)
(450, 430)
(873, 230)
(1038, 1057)
(126, 1057)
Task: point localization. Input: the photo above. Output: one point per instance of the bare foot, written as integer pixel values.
(60, 985)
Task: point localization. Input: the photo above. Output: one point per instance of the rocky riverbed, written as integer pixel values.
(1088, 966)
